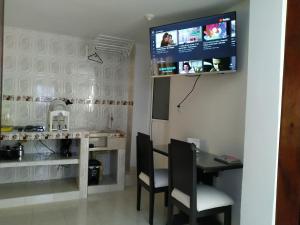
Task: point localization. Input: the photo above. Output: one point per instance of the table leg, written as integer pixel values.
(206, 178)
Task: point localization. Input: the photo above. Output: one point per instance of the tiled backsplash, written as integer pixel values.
(42, 66)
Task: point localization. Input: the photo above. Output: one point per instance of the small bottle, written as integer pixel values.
(20, 149)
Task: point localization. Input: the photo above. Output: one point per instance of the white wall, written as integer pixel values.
(141, 97)
(215, 112)
(266, 41)
(160, 136)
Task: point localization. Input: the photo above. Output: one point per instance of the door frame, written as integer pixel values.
(288, 178)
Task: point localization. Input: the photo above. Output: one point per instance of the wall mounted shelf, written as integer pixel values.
(40, 160)
(195, 74)
(35, 192)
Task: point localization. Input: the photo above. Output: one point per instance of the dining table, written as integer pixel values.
(208, 166)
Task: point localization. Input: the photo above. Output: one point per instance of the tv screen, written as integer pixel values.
(205, 45)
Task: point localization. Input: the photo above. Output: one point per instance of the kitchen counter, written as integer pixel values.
(108, 143)
(72, 134)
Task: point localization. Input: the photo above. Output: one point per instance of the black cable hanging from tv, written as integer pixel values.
(185, 98)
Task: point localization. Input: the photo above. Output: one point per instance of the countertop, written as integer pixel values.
(71, 134)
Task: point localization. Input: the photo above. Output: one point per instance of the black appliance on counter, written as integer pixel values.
(9, 153)
(31, 128)
(94, 171)
(65, 148)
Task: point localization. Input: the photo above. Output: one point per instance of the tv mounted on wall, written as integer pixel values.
(199, 46)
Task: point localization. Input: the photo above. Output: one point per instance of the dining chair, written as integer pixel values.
(153, 180)
(195, 200)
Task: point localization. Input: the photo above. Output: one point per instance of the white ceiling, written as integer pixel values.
(122, 18)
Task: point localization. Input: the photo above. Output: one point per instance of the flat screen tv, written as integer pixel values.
(198, 46)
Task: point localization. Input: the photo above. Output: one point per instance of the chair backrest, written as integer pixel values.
(182, 168)
(144, 155)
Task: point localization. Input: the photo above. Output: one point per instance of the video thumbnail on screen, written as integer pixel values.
(190, 35)
(233, 28)
(190, 67)
(167, 68)
(215, 31)
(219, 64)
(165, 39)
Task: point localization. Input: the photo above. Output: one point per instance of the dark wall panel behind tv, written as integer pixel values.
(161, 97)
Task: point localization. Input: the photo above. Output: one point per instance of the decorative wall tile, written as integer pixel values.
(80, 117)
(9, 63)
(105, 116)
(68, 88)
(84, 68)
(55, 88)
(39, 112)
(8, 113)
(118, 59)
(109, 57)
(40, 46)
(107, 92)
(54, 67)
(24, 64)
(9, 87)
(97, 89)
(56, 47)
(82, 50)
(85, 89)
(108, 74)
(41, 87)
(24, 86)
(70, 68)
(70, 48)
(25, 42)
(118, 115)
(22, 113)
(9, 41)
(99, 72)
(119, 76)
(73, 112)
(40, 65)
(119, 92)
(92, 114)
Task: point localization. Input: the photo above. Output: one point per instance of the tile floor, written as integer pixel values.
(116, 208)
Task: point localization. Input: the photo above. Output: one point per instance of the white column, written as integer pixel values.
(83, 167)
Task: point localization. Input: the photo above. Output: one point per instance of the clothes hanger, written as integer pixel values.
(96, 58)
